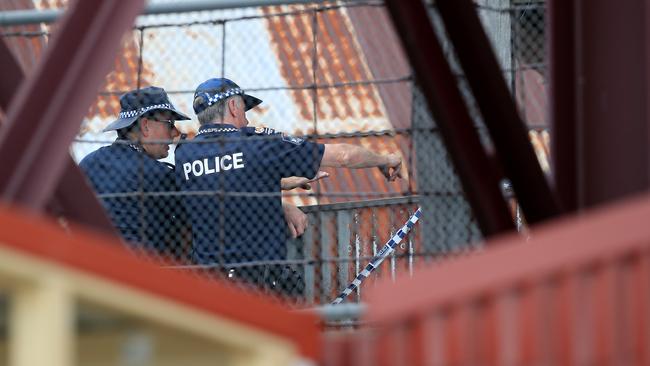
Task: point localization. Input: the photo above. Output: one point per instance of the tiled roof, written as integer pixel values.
(531, 96)
(358, 107)
(26, 49)
(353, 45)
(123, 76)
(340, 60)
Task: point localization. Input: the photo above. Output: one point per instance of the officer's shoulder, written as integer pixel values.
(182, 140)
(260, 130)
(96, 156)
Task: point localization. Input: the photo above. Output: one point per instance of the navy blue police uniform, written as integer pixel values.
(125, 178)
(128, 181)
(246, 223)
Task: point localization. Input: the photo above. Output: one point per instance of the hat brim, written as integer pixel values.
(251, 102)
(126, 122)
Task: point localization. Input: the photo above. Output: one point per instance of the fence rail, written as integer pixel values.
(331, 73)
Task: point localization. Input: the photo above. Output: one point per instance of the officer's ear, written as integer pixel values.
(233, 107)
(144, 127)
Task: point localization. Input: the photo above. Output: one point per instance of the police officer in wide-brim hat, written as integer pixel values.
(145, 128)
(147, 116)
(138, 102)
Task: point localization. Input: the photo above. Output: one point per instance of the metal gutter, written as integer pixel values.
(32, 16)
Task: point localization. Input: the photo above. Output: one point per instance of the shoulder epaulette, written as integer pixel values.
(259, 131)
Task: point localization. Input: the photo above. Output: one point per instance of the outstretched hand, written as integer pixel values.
(393, 168)
(301, 182)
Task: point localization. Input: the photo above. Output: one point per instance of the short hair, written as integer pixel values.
(215, 112)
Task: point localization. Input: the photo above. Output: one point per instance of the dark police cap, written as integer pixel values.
(214, 90)
(140, 101)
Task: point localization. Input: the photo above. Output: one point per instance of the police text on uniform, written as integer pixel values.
(208, 166)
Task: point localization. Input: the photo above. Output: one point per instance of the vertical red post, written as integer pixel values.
(12, 75)
(599, 57)
(562, 100)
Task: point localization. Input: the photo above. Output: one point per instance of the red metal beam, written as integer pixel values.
(73, 198)
(45, 114)
(477, 175)
(615, 233)
(102, 257)
(507, 131)
(562, 100)
(11, 77)
(572, 269)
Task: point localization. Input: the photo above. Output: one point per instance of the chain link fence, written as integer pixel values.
(328, 73)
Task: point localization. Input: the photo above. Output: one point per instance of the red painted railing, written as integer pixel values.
(576, 293)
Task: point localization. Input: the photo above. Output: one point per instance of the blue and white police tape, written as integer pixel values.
(381, 255)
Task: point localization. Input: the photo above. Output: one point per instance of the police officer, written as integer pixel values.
(127, 174)
(239, 170)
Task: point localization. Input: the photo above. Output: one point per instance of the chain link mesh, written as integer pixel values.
(328, 73)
